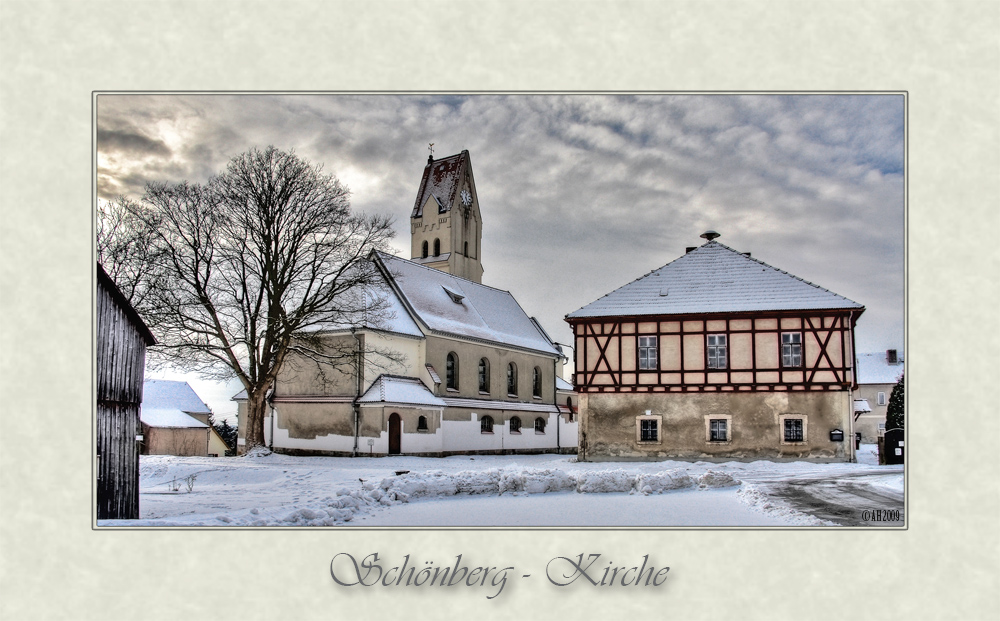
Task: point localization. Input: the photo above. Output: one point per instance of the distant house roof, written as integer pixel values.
(456, 306)
(874, 368)
(861, 405)
(172, 395)
(169, 418)
(402, 390)
(441, 180)
(562, 384)
(714, 278)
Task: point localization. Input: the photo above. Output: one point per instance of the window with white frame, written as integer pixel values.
(794, 430)
(648, 428)
(881, 398)
(718, 430)
(647, 352)
(791, 349)
(717, 351)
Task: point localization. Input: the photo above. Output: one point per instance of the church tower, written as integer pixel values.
(446, 227)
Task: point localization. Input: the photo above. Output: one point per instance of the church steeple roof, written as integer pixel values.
(442, 180)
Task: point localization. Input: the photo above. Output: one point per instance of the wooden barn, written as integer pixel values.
(122, 338)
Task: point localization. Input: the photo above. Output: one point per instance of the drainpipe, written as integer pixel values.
(555, 401)
(357, 392)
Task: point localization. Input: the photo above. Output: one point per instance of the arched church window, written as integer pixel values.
(423, 252)
(536, 383)
(437, 247)
(484, 375)
(512, 379)
(466, 248)
(451, 372)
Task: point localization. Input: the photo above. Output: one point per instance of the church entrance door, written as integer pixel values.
(394, 433)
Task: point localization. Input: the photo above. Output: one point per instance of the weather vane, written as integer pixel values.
(430, 147)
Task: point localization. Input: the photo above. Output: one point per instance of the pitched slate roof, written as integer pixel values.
(873, 368)
(441, 179)
(481, 312)
(403, 390)
(714, 278)
(172, 395)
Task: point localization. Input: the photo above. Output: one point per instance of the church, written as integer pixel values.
(465, 370)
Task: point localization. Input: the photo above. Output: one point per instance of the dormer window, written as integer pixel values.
(455, 296)
(891, 357)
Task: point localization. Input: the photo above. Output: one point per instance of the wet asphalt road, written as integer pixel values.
(847, 500)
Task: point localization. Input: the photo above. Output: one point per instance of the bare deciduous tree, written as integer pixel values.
(245, 269)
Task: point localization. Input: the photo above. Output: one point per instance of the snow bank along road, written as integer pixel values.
(522, 490)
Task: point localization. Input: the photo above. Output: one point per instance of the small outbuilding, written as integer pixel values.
(175, 421)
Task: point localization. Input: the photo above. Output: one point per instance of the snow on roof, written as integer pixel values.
(441, 180)
(432, 259)
(166, 417)
(562, 384)
(394, 318)
(240, 396)
(861, 405)
(874, 368)
(714, 278)
(433, 374)
(395, 389)
(172, 395)
(483, 313)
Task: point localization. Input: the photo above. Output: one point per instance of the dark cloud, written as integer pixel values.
(133, 144)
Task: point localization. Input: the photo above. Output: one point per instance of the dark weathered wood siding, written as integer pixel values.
(121, 357)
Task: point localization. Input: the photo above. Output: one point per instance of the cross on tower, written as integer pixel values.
(430, 147)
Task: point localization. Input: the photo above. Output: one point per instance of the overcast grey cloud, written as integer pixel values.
(579, 194)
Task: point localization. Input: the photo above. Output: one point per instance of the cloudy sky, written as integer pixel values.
(579, 194)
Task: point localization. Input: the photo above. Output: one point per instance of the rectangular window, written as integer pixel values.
(717, 351)
(648, 431)
(791, 349)
(793, 430)
(647, 352)
(881, 398)
(717, 429)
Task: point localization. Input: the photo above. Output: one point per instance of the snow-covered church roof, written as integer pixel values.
(456, 306)
(441, 179)
(714, 278)
(400, 390)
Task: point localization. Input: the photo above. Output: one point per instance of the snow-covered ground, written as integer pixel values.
(521, 490)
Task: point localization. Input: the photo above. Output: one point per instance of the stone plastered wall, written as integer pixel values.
(469, 354)
(608, 425)
(182, 442)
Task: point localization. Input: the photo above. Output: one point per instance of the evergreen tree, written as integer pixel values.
(227, 432)
(894, 414)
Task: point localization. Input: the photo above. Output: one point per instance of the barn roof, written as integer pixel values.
(456, 306)
(169, 418)
(105, 281)
(172, 395)
(441, 180)
(714, 278)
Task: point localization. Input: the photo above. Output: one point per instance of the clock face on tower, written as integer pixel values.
(466, 197)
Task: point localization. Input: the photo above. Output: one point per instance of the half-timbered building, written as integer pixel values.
(121, 341)
(716, 355)
(468, 372)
